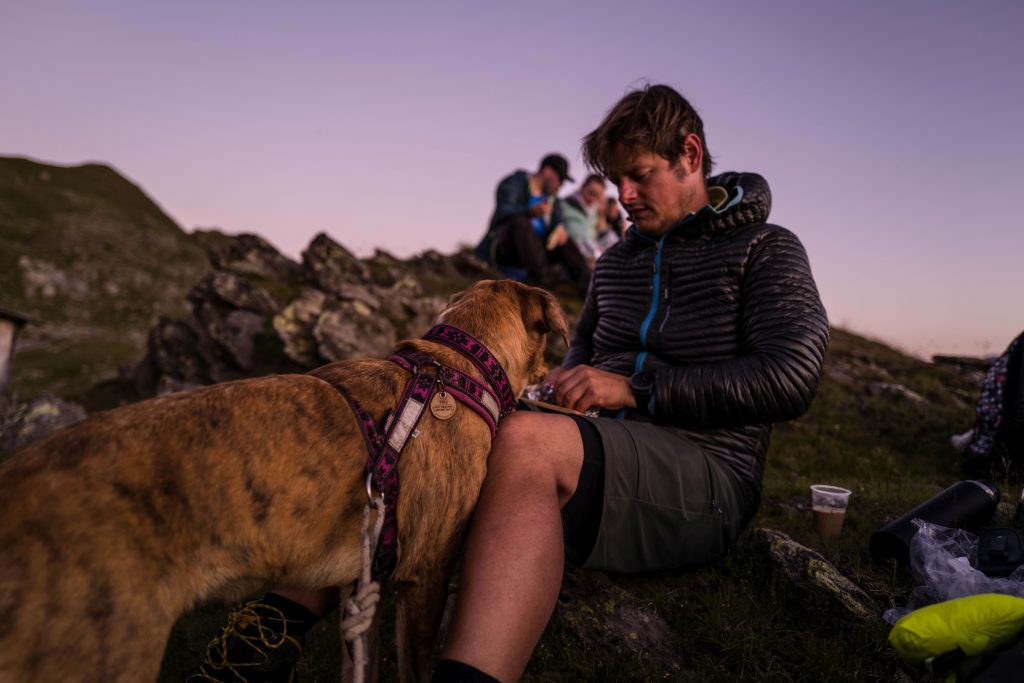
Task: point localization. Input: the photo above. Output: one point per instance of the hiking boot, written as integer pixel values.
(254, 647)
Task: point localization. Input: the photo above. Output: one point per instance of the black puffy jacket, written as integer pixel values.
(724, 309)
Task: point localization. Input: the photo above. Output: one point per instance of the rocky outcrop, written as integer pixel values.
(259, 312)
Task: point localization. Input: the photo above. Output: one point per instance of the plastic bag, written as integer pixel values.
(941, 560)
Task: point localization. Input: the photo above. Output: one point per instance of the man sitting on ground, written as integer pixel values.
(701, 328)
(526, 230)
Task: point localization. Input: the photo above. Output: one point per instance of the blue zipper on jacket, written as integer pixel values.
(655, 298)
(641, 357)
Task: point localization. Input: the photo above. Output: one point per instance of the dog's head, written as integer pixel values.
(513, 321)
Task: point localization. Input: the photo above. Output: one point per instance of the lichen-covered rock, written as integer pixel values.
(385, 269)
(172, 349)
(233, 290)
(414, 316)
(252, 255)
(809, 570)
(354, 291)
(351, 330)
(40, 417)
(237, 336)
(294, 326)
(607, 617)
(332, 266)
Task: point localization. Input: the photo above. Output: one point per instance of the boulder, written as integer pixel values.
(233, 290)
(230, 335)
(385, 269)
(333, 268)
(349, 329)
(40, 417)
(172, 350)
(810, 571)
(252, 255)
(238, 337)
(294, 326)
(606, 617)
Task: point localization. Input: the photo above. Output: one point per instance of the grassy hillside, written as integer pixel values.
(89, 256)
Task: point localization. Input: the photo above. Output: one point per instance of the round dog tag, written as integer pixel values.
(442, 406)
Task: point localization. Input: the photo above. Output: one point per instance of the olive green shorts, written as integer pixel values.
(666, 504)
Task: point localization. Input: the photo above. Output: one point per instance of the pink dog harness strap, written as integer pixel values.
(385, 443)
(477, 353)
(460, 385)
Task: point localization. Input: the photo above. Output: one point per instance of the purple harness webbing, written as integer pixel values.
(460, 385)
(478, 354)
(385, 444)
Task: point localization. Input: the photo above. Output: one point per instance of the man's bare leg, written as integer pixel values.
(513, 563)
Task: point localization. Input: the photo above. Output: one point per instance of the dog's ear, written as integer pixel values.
(552, 317)
(452, 300)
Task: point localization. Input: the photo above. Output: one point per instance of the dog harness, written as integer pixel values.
(430, 378)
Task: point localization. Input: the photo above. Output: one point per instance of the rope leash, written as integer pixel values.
(362, 604)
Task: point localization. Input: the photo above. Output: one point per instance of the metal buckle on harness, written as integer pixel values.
(369, 488)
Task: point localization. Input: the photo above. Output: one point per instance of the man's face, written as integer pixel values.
(657, 194)
(592, 194)
(550, 181)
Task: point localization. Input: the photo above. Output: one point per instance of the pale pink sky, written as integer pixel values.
(889, 132)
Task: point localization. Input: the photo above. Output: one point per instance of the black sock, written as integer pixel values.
(451, 671)
(300, 619)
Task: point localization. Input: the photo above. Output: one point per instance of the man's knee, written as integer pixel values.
(541, 446)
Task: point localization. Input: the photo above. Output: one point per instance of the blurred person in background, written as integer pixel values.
(526, 232)
(582, 211)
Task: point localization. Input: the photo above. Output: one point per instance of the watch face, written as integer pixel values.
(642, 381)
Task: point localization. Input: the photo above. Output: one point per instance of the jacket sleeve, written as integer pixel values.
(511, 199)
(784, 332)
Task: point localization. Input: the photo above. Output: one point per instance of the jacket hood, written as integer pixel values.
(737, 199)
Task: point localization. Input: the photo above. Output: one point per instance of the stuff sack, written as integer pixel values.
(973, 625)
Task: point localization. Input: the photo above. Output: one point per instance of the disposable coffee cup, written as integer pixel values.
(828, 503)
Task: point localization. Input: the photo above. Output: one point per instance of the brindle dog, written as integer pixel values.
(112, 528)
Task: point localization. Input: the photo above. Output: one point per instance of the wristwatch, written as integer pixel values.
(642, 385)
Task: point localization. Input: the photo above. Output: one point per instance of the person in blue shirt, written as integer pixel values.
(526, 231)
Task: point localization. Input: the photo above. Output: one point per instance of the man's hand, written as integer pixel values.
(539, 209)
(557, 238)
(585, 387)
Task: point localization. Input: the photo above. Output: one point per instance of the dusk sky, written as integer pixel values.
(890, 132)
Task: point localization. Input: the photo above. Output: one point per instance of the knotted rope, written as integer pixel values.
(362, 604)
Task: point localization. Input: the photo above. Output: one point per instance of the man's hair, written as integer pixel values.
(654, 119)
(593, 178)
